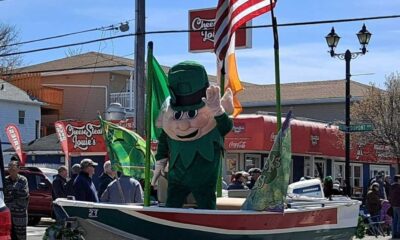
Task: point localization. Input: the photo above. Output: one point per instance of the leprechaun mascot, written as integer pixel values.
(194, 124)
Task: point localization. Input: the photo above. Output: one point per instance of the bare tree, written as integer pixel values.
(382, 108)
(73, 52)
(8, 38)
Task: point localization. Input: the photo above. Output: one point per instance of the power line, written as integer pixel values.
(106, 28)
(187, 31)
(67, 45)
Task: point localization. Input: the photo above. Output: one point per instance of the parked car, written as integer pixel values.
(40, 194)
(5, 215)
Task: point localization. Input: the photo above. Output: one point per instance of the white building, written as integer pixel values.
(17, 107)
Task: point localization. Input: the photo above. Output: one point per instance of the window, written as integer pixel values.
(232, 163)
(21, 117)
(356, 179)
(314, 167)
(375, 169)
(37, 129)
(251, 161)
(338, 172)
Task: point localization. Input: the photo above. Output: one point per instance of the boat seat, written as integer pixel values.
(233, 202)
(226, 203)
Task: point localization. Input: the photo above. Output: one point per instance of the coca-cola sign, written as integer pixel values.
(237, 145)
(201, 39)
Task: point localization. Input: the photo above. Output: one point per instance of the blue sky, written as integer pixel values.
(303, 50)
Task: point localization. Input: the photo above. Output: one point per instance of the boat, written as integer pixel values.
(304, 217)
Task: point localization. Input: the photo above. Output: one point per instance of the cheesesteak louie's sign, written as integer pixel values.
(201, 39)
(86, 136)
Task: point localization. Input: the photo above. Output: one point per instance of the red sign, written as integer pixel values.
(202, 21)
(247, 134)
(62, 137)
(84, 136)
(14, 137)
(257, 133)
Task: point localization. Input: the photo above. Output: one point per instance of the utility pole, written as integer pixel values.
(139, 65)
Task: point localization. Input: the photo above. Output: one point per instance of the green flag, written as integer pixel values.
(269, 191)
(160, 92)
(126, 150)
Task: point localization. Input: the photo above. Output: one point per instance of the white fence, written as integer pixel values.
(122, 98)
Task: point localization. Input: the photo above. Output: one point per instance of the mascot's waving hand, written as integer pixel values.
(194, 125)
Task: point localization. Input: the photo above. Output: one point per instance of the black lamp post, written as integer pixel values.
(332, 39)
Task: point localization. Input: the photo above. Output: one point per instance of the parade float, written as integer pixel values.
(271, 209)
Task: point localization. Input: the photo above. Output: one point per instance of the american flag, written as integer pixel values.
(231, 15)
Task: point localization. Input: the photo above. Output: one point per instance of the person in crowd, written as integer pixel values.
(124, 189)
(239, 182)
(374, 201)
(379, 179)
(394, 199)
(337, 189)
(84, 189)
(59, 183)
(76, 168)
(328, 187)
(106, 177)
(387, 185)
(16, 197)
(254, 174)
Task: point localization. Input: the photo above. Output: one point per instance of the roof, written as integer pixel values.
(47, 143)
(9, 92)
(81, 61)
(301, 93)
(89, 61)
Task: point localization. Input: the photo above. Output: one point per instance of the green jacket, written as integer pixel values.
(187, 151)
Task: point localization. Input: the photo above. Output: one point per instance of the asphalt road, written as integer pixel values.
(37, 232)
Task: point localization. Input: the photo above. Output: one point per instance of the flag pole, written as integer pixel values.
(222, 90)
(277, 70)
(148, 121)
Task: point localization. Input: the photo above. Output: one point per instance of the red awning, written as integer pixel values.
(256, 133)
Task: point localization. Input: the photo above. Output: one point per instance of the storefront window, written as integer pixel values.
(252, 160)
(356, 179)
(338, 172)
(232, 163)
(314, 167)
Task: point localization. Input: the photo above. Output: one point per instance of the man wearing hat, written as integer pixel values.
(255, 174)
(84, 189)
(194, 124)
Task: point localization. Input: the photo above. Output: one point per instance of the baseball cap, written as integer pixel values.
(88, 162)
(254, 170)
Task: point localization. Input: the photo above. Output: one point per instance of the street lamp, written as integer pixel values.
(332, 39)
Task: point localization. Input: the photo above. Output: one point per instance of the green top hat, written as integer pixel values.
(188, 83)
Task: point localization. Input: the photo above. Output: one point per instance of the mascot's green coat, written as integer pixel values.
(194, 125)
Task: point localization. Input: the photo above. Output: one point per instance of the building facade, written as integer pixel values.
(17, 107)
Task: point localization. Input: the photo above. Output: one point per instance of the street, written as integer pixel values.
(37, 232)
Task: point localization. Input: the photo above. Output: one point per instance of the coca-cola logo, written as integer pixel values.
(84, 136)
(206, 28)
(237, 145)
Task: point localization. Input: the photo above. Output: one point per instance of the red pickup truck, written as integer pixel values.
(40, 198)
